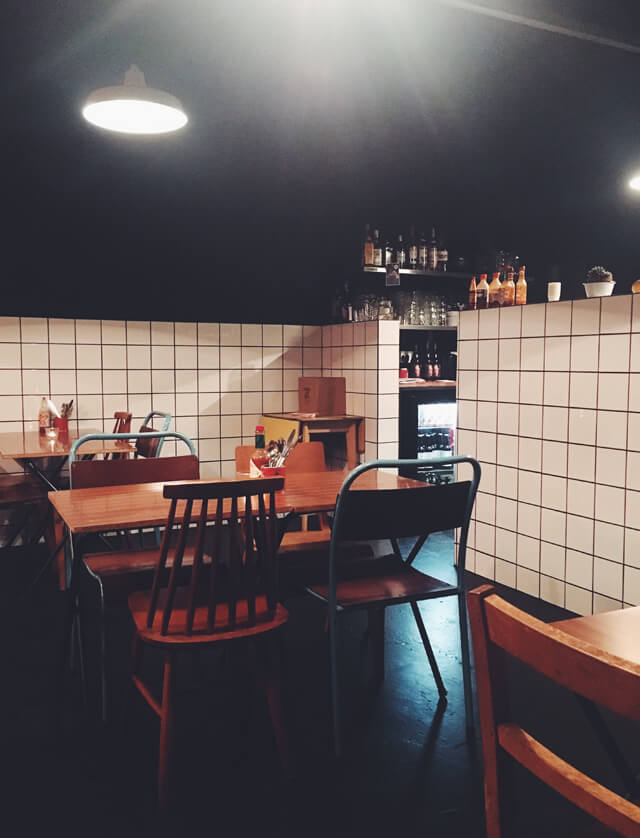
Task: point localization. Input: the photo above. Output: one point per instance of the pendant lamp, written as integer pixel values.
(134, 108)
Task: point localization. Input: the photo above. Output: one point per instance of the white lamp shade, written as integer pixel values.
(634, 183)
(134, 108)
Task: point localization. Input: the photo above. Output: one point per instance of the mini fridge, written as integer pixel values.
(427, 430)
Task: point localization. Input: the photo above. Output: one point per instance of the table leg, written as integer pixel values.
(350, 442)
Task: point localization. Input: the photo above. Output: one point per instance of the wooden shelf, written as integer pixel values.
(373, 269)
(406, 328)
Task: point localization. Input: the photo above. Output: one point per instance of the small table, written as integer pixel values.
(352, 427)
(27, 447)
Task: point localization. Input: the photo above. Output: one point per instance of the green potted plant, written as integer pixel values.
(599, 282)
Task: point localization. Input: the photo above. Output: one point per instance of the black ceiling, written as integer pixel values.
(307, 118)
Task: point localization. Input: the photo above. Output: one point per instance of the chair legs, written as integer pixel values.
(442, 692)
(166, 731)
(269, 673)
(466, 663)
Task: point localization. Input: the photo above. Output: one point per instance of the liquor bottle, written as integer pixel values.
(259, 456)
(482, 292)
(387, 255)
(409, 365)
(367, 251)
(494, 290)
(378, 254)
(404, 365)
(347, 305)
(401, 253)
(413, 249)
(43, 416)
(428, 371)
(416, 364)
(436, 362)
(509, 290)
(473, 293)
(432, 258)
(423, 253)
(443, 258)
(521, 288)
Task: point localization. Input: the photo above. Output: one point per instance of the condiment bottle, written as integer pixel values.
(509, 290)
(521, 288)
(259, 457)
(494, 291)
(482, 292)
(43, 416)
(473, 302)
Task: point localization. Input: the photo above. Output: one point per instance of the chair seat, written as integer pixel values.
(305, 540)
(117, 562)
(381, 581)
(139, 605)
(21, 488)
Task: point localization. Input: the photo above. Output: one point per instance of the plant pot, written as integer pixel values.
(598, 289)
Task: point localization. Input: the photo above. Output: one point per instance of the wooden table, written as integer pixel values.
(142, 504)
(352, 428)
(615, 632)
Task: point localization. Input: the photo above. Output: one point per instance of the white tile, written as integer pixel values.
(554, 492)
(584, 353)
(635, 314)
(290, 380)
(510, 322)
(186, 334)
(508, 451)
(528, 521)
(468, 325)
(553, 526)
(533, 317)
(586, 317)
(312, 358)
(34, 355)
(252, 380)
(11, 382)
(272, 379)
(614, 353)
(113, 331)
(507, 514)
(34, 329)
(613, 391)
(88, 331)
(634, 392)
(552, 559)
(138, 381)
(631, 547)
(552, 590)
(631, 585)
(578, 600)
(487, 385)
(209, 449)
(389, 332)
(484, 565)
(607, 578)
(138, 357)
(531, 387)
(579, 569)
(559, 319)
(251, 357)
(272, 358)
(488, 323)
(311, 335)
(114, 357)
(208, 404)
(252, 402)
(162, 332)
(556, 388)
(230, 357)
(556, 354)
(163, 357)
(208, 427)
(486, 447)
(388, 357)
(468, 354)
(584, 390)
(186, 357)
(506, 481)
(505, 573)
(633, 470)
(555, 423)
(489, 471)
(485, 538)
(603, 603)
(530, 420)
(292, 358)
(293, 336)
(61, 330)
(608, 541)
(580, 497)
(387, 407)
(465, 441)
(581, 462)
(528, 581)
(9, 330)
(530, 454)
(36, 381)
(633, 432)
(635, 353)
(62, 356)
(610, 468)
(208, 334)
(582, 426)
(487, 417)
(272, 335)
(467, 384)
(528, 552)
(163, 381)
(88, 381)
(11, 408)
(10, 354)
(251, 334)
(610, 504)
(508, 386)
(485, 508)
(90, 407)
(508, 417)
(138, 332)
(488, 355)
(113, 381)
(615, 314)
(529, 487)
(532, 354)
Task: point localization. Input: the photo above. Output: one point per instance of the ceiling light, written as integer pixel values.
(134, 108)
(634, 183)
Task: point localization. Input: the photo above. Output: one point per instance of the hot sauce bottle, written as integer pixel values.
(521, 288)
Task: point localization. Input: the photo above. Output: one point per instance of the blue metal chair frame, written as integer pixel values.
(458, 589)
(165, 426)
(74, 605)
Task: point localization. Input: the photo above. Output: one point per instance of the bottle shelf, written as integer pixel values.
(408, 328)
(374, 269)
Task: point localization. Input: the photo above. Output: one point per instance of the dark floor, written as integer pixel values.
(407, 764)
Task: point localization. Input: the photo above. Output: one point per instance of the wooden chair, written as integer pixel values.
(234, 598)
(122, 425)
(118, 572)
(20, 496)
(498, 628)
(376, 584)
(150, 446)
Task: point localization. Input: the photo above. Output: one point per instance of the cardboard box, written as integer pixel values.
(323, 396)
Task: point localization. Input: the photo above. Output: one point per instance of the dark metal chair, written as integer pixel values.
(366, 515)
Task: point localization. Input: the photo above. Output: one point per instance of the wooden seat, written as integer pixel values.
(376, 584)
(19, 494)
(122, 426)
(498, 628)
(234, 598)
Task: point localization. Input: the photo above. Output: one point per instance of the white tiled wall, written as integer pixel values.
(549, 402)
(215, 378)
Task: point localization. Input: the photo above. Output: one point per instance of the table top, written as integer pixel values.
(142, 504)
(30, 445)
(306, 418)
(616, 632)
